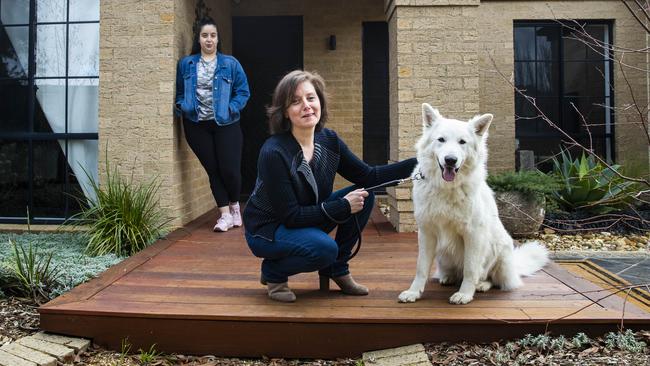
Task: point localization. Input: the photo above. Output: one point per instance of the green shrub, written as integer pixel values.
(531, 183)
(589, 185)
(32, 275)
(124, 217)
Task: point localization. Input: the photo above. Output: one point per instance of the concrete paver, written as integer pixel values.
(62, 353)
(413, 355)
(39, 358)
(79, 344)
(7, 359)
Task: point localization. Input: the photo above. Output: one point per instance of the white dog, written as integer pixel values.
(458, 222)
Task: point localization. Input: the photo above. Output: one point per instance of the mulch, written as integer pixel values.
(18, 318)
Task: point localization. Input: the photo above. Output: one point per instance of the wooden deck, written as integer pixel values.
(198, 292)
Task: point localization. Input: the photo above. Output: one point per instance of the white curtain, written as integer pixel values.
(83, 60)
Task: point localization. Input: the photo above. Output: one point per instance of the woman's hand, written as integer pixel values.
(356, 199)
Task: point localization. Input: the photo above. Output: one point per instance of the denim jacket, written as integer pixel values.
(229, 95)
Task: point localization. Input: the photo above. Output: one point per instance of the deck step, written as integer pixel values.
(29, 354)
(413, 355)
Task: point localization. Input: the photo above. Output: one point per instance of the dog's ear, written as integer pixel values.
(481, 124)
(429, 115)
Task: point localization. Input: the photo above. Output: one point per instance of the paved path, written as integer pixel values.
(633, 267)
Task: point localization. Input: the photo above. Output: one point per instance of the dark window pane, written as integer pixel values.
(548, 78)
(14, 52)
(582, 115)
(49, 181)
(13, 105)
(550, 108)
(576, 83)
(50, 10)
(524, 39)
(574, 47)
(583, 79)
(14, 11)
(49, 114)
(599, 32)
(51, 195)
(525, 77)
(547, 43)
(13, 178)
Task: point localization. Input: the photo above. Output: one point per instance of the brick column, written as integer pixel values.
(140, 42)
(433, 59)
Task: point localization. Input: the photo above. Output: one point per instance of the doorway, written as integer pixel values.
(267, 48)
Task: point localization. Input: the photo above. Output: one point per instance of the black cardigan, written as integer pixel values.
(288, 192)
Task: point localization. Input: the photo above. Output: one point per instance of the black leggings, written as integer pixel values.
(219, 150)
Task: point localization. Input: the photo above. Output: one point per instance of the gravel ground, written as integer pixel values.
(603, 241)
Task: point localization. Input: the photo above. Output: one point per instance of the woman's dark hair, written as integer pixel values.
(283, 95)
(196, 46)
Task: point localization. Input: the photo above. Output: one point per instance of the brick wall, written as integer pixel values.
(136, 84)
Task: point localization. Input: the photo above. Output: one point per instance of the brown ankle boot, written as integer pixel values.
(349, 286)
(280, 292)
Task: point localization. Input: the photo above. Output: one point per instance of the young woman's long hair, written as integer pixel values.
(196, 46)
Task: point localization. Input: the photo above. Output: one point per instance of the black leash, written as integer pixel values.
(396, 182)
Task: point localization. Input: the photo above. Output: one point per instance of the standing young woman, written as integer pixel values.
(292, 208)
(211, 91)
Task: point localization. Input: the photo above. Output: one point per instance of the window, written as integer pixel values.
(571, 83)
(49, 91)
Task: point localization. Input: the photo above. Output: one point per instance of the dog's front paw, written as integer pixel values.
(460, 298)
(409, 296)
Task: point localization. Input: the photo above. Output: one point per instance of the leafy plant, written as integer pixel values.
(589, 185)
(123, 217)
(124, 351)
(147, 357)
(624, 341)
(580, 340)
(34, 275)
(531, 183)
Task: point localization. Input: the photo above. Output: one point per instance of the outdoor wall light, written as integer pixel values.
(332, 42)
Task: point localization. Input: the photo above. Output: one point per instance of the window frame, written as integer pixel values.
(29, 135)
(608, 137)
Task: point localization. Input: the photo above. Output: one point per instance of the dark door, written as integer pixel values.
(267, 48)
(375, 93)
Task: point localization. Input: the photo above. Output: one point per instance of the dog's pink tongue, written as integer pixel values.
(448, 174)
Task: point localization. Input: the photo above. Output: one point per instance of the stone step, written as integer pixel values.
(62, 353)
(39, 358)
(7, 359)
(413, 355)
(79, 344)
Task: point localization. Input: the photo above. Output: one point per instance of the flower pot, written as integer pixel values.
(520, 214)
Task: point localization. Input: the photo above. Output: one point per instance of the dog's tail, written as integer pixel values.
(530, 257)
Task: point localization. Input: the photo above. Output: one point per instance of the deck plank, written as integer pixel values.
(197, 284)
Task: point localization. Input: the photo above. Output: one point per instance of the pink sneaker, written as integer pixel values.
(224, 223)
(236, 215)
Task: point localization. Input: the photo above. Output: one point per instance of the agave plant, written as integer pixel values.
(123, 217)
(589, 185)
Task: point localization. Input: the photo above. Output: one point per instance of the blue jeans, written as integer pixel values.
(310, 249)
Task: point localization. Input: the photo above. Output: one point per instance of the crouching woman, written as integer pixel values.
(292, 208)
